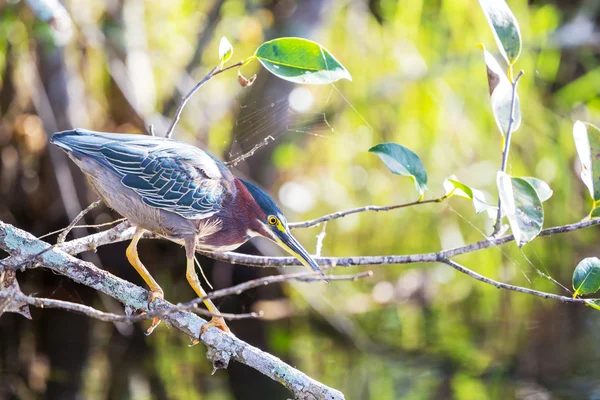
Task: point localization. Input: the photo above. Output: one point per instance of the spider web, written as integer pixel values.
(258, 124)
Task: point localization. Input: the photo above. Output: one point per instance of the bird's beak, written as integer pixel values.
(288, 242)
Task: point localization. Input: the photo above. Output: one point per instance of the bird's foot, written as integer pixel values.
(158, 294)
(217, 322)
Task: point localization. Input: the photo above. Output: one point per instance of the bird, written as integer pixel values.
(180, 193)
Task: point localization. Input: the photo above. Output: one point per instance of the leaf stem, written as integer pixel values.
(511, 121)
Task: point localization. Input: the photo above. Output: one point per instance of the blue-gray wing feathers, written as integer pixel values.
(168, 175)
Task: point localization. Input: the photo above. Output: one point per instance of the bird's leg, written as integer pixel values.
(134, 260)
(192, 277)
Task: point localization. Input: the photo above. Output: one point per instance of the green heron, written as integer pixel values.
(181, 193)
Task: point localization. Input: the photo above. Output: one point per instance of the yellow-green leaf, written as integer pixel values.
(225, 50)
(454, 187)
(300, 61)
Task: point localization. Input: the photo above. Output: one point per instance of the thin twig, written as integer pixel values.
(213, 72)
(309, 276)
(63, 235)
(204, 37)
(340, 214)
(250, 153)
(106, 316)
(320, 238)
(498, 224)
(188, 306)
(116, 221)
(501, 285)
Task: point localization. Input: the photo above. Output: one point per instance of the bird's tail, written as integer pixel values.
(81, 141)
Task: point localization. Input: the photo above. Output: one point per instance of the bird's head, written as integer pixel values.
(269, 222)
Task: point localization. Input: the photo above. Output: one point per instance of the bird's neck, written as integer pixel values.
(246, 210)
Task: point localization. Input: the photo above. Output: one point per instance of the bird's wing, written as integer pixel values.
(169, 176)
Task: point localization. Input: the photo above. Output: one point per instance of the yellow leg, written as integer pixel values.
(194, 282)
(134, 260)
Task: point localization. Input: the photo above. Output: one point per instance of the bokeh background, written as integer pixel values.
(410, 332)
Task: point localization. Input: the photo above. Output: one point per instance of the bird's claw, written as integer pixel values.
(156, 295)
(155, 321)
(217, 322)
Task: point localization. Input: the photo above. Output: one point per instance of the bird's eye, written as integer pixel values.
(272, 220)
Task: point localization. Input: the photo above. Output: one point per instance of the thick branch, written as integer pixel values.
(222, 346)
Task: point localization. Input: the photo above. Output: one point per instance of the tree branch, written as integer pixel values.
(192, 305)
(340, 214)
(63, 235)
(213, 72)
(125, 231)
(221, 346)
(501, 285)
(212, 18)
(250, 153)
(101, 315)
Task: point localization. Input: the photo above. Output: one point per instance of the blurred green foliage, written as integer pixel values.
(410, 332)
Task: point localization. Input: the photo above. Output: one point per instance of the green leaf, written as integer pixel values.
(586, 277)
(542, 188)
(587, 142)
(402, 161)
(300, 61)
(505, 28)
(595, 213)
(522, 206)
(501, 95)
(456, 188)
(593, 303)
(225, 50)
